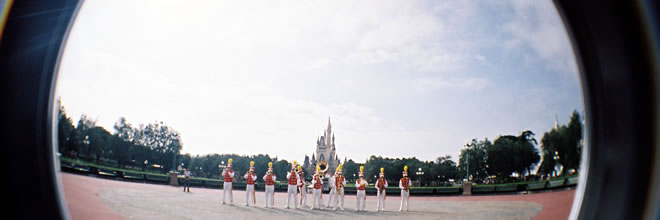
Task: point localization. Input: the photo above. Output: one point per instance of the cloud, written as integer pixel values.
(253, 78)
(480, 58)
(536, 25)
(431, 84)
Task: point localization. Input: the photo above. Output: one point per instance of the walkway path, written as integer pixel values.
(94, 198)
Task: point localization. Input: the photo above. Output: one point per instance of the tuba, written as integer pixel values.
(324, 166)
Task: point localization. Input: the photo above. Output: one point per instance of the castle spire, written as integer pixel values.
(328, 134)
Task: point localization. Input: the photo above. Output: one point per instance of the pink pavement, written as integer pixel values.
(83, 202)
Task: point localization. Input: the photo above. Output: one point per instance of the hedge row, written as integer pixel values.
(530, 186)
(112, 173)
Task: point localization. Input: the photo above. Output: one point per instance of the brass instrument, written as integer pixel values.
(323, 165)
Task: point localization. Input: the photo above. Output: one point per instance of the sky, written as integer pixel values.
(396, 78)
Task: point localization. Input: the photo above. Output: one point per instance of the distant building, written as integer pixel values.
(325, 153)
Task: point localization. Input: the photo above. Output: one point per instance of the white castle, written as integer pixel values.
(324, 154)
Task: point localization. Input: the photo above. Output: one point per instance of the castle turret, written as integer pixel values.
(325, 150)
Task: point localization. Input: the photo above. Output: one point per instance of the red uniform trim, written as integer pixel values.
(404, 182)
(292, 179)
(228, 178)
(269, 180)
(360, 187)
(250, 180)
(381, 183)
(318, 183)
(339, 181)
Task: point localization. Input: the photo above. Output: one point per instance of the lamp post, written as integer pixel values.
(467, 161)
(86, 142)
(555, 157)
(420, 173)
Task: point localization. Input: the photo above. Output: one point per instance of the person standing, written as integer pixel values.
(186, 183)
(294, 181)
(228, 177)
(361, 185)
(404, 185)
(302, 187)
(340, 182)
(250, 179)
(381, 190)
(269, 178)
(317, 183)
(333, 189)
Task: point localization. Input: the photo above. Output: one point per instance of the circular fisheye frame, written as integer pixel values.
(33, 36)
(615, 45)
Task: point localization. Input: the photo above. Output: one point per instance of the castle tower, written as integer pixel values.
(325, 151)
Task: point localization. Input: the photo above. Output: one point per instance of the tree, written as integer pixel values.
(562, 145)
(126, 135)
(475, 154)
(280, 168)
(510, 154)
(82, 139)
(65, 133)
(573, 145)
(101, 143)
(527, 154)
(163, 142)
(350, 168)
(446, 168)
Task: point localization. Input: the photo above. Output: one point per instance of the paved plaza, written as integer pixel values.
(94, 198)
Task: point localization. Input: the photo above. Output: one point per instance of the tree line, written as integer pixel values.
(156, 147)
(510, 158)
(146, 146)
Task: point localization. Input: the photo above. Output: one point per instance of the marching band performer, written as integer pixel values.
(339, 182)
(294, 181)
(302, 187)
(381, 189)
(361, 185)
(228, 175)
(317, 183)
(269, 178)
(250, 179)
(404, 184)
(333, 189)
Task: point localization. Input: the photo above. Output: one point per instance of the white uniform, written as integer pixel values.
(361, 194)
(270, 191)
(340, 194)
(381, 196)
(317, 193)
(227, 187)
(333, 191)
(249, 189)
(292, 189)
(302, 189)
(405, 194)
